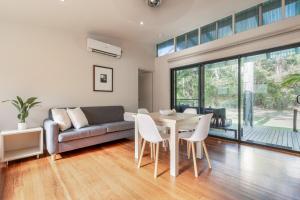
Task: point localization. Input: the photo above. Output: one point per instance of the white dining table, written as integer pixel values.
(174, 122)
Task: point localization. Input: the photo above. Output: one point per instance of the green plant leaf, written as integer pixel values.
(16, 105)
(33, 104)
(20, 101)
(291, 80)
(31, 100)
(5, 101)
(25, 115)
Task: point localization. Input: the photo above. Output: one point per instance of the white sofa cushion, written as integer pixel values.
(61, 117)
(78, 118)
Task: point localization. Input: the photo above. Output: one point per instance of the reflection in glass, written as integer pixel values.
(221, 97)
(268, 106)
(246, 19)
(187, 88)
(165, 48)
(208, 33)
(271, 11)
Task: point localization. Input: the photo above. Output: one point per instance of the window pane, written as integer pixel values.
(180, 43)
(246, 19)
(187, 88)
(208, 33)
(271, 11)
(192, 38)
(267, 105)
(165, 47)
(225, 27)
(221, 97)
(292, 7)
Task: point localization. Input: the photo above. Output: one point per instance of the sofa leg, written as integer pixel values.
(53, 157)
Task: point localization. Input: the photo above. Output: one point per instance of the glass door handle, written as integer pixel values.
(298, 99)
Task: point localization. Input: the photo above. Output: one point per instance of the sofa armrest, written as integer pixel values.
(129, 116)
(52, 131)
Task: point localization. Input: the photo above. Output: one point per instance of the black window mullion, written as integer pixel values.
(202, 87)
(240, 131)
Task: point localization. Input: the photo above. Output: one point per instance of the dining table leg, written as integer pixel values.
(199, 150)
(137, 141)
(174, 150)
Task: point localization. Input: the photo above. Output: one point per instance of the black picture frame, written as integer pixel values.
(106, 77)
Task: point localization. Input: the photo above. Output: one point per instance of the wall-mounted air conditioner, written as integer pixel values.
(103, 48)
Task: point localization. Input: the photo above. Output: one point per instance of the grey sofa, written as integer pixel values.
(106, 123)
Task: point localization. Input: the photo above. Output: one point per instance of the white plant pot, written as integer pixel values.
(22, 126)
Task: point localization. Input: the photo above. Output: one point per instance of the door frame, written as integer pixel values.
(152, 86)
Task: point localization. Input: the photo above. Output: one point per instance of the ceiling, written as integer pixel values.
(120, 19)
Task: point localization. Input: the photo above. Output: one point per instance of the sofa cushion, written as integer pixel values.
(77, 117)
(74, 134)
(61, 117)
(103, 114)
(118, 126)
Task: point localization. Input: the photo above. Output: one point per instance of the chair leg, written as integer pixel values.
(142, 153)
(194, 159)
(188, 149)
(53, 157)
(156, 159)
(151, 150)
(206, 154)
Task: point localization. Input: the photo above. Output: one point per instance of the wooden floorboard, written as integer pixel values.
(108, 171)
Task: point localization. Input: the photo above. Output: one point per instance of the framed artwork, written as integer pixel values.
(103, 79)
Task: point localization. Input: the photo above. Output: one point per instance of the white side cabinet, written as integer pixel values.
(19, 144)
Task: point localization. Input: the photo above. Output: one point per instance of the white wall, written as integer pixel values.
(278, 34)
(55, 66)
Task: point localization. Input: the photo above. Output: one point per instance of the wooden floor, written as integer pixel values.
(270, 136)
(109, 172)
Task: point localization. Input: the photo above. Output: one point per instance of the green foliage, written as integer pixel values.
(292, 80)
(221, 88)
(23, 107)
(271, 72)
(276, 80)
(187, 86)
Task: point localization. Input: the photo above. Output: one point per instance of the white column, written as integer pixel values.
(174, 150)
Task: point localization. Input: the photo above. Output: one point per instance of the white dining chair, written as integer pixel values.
(150, 133)
(160, 128)
(199, 135)
(188, 111)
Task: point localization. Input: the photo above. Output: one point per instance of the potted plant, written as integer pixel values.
(23, 108)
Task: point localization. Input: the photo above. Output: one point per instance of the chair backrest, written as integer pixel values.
(143, 111)
(202, 128)
(147, 128)
(190, 111)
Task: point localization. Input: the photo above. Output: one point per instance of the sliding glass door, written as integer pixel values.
(253, 97)
(221, 97)
(268, 105)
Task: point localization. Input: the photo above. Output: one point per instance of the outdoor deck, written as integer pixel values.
(269, 136)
